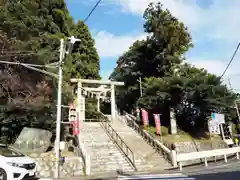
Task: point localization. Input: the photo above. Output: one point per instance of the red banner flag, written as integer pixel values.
(76, 126)
(157, 123)
(145, 117)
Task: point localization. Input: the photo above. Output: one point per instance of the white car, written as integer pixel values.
(14, 165)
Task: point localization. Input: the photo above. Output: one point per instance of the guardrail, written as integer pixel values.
(82, 151)
(119, 142)
(170, 155)
(207, 154)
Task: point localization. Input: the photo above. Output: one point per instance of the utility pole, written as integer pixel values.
(236, 105)
(140, 84)
(59, 100)
(59, 110)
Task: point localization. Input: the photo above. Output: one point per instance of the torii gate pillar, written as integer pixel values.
(113, 102)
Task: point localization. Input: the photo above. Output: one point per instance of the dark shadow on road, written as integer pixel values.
(235, 175)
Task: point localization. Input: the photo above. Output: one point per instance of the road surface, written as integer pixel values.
(214, 171)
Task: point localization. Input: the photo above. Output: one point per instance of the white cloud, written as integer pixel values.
(221, 20)
(213, 66)
(110, 45)
(217, 67)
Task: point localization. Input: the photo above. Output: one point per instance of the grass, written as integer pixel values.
(180, 137)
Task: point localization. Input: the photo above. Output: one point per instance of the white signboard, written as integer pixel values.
(215, 121)
(173, 123)
(214, 129)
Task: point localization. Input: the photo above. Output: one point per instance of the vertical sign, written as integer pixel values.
(76, 126)
(145, 117)
(173, 122)
(138, 114)
(215, 121)
(157, 123)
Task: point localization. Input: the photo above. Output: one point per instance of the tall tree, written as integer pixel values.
(164, 48)
(30, 33)
(84, 62)
(168, 82)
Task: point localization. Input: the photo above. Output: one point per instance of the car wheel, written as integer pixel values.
(3, 174)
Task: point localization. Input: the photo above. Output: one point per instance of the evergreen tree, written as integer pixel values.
(30, 32)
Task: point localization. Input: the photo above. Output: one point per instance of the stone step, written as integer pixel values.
(100, 171)
(111, 168)
(110, 161)
(106, 146)
(106, 152)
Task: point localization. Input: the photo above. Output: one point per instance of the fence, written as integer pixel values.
(207, 154)
(82, 151)
(170, 155)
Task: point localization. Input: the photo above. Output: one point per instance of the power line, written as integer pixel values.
(27, 64)
(235, 52)
(93, 9)
(31, 66)
(14, 52)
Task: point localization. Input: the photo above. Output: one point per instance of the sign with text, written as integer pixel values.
(214, 124)
(145, 117)
(157, 123)
(138, 114)
(76, 126)
(214, 129)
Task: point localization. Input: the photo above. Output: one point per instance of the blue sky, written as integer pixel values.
(213, 24)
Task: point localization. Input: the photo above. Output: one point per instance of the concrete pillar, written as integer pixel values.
(173, 122)
(79, 92)
(98, 103)
(113, 103)
(174, 158)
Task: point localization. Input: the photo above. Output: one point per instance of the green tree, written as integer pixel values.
(84, 62)
(156, 56)
(168, 82)
(30, 33)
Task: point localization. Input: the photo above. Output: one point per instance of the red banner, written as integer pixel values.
(157, 123)
(76, 126)
(145, 117)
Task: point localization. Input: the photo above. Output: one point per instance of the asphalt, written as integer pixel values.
(214, 171)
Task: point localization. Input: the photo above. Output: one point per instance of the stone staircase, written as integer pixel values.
(147, 159)
(105, 156)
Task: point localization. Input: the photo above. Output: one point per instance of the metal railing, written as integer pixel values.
(157, 146)
(207, 154)
(119, 142)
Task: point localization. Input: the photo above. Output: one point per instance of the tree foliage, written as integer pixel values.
(168, 81)
(30, 32)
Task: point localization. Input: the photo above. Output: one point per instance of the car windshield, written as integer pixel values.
(9, 152)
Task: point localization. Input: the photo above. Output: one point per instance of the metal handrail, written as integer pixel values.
(119, 142)
(160, 148)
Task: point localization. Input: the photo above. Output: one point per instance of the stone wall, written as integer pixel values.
(72, 167)
(196, 146)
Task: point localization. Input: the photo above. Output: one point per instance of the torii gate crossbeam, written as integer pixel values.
(98, 82)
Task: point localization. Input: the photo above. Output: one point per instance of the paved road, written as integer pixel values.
(215, 171)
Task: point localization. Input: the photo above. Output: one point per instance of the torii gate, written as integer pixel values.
(100, 90)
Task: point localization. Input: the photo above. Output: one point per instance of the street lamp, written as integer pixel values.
(59, 99)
